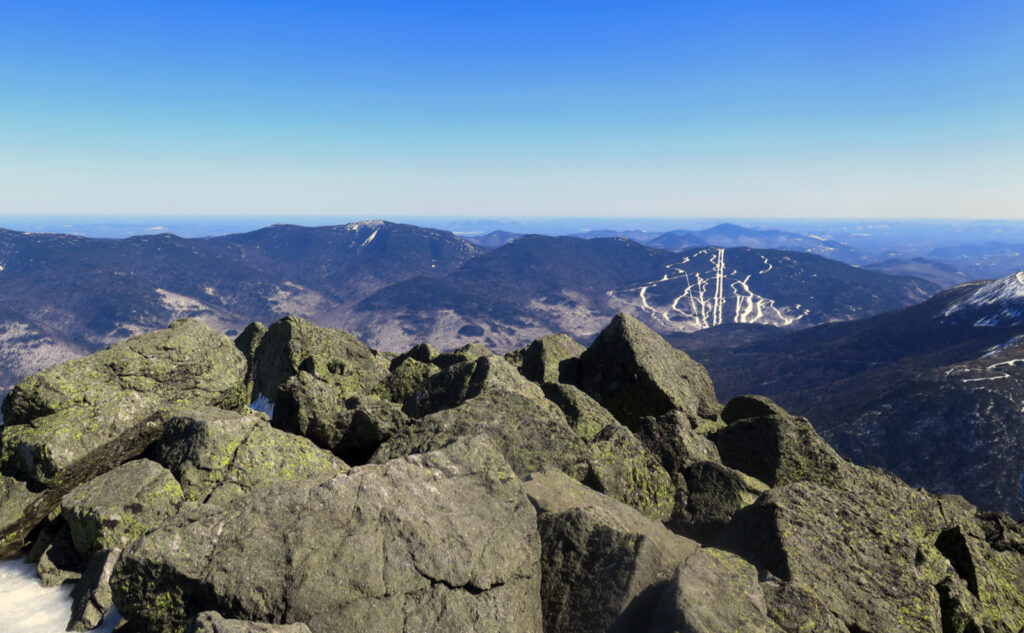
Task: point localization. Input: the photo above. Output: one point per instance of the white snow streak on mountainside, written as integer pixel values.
(369, 239)
(28, 607)
(1007, 292)
(701, 304)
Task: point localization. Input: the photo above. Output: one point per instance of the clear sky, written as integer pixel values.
(513, 109)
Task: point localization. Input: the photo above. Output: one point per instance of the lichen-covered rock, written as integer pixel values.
(604, 564)
(714, 494)
(79, 419)
(405, 378)
(750, 406)
(116, 508)
(634, 373)
(445, 540)
(620, 467)
(489, 396)
(673, 439)
(797, 609)
(352, 428)
(552, 358)
(91, 597)
(213, 622)
(586, 417)
(421, 352)
(875, 551)
(712, 591)
(776, 448)
(334, 356)
(218, 455)
(465, 354)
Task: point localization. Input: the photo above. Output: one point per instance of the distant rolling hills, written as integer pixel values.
(63, 295)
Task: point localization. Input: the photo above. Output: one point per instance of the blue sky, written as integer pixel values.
(513, 109)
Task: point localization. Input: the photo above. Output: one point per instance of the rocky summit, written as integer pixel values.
(553, 489)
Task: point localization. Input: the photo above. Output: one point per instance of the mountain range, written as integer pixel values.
(63, 295)
(933, 392)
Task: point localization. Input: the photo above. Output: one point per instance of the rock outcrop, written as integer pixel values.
(68, 424)
(554, 490)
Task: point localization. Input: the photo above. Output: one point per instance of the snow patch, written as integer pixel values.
(29, 607)
(1006, 293)
(369, 239)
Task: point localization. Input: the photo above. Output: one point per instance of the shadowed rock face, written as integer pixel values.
(633, 373)
(481, 493)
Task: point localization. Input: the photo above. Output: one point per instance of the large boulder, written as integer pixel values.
(775, 447)
(882, 556)
(334, 356)
(116, 508)
(586, 417)
(620, 467)
(218, 455)
(489, 396)
(552, 358)
(70, 423)
(405, 378)
(352, 428)
(712, 592)
(604, 563)
(634, 372)
(714, 493)
(445, 540)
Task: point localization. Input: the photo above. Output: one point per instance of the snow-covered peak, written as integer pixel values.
(365, 224)
(1007, 289)
(1003, 299)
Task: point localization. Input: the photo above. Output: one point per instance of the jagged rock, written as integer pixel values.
(489, 396)
(604, 563)
(248, 342)
(634, 373)
(874, 551)
(82, 418)
(445, 540)
(405, 378)
(714, 494)
(748, 406)
(797, 609)
(60, 561)
(776, 448)
(465, 354)
(586, 417)
(421, 352)
(116, 508)
(552, 358)
(674, 441)
(712, 591)
(213, 622)
(352, 428)
(617, 463)
(334, 356)
(91, 597)
(618, 466)
(219, 455)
